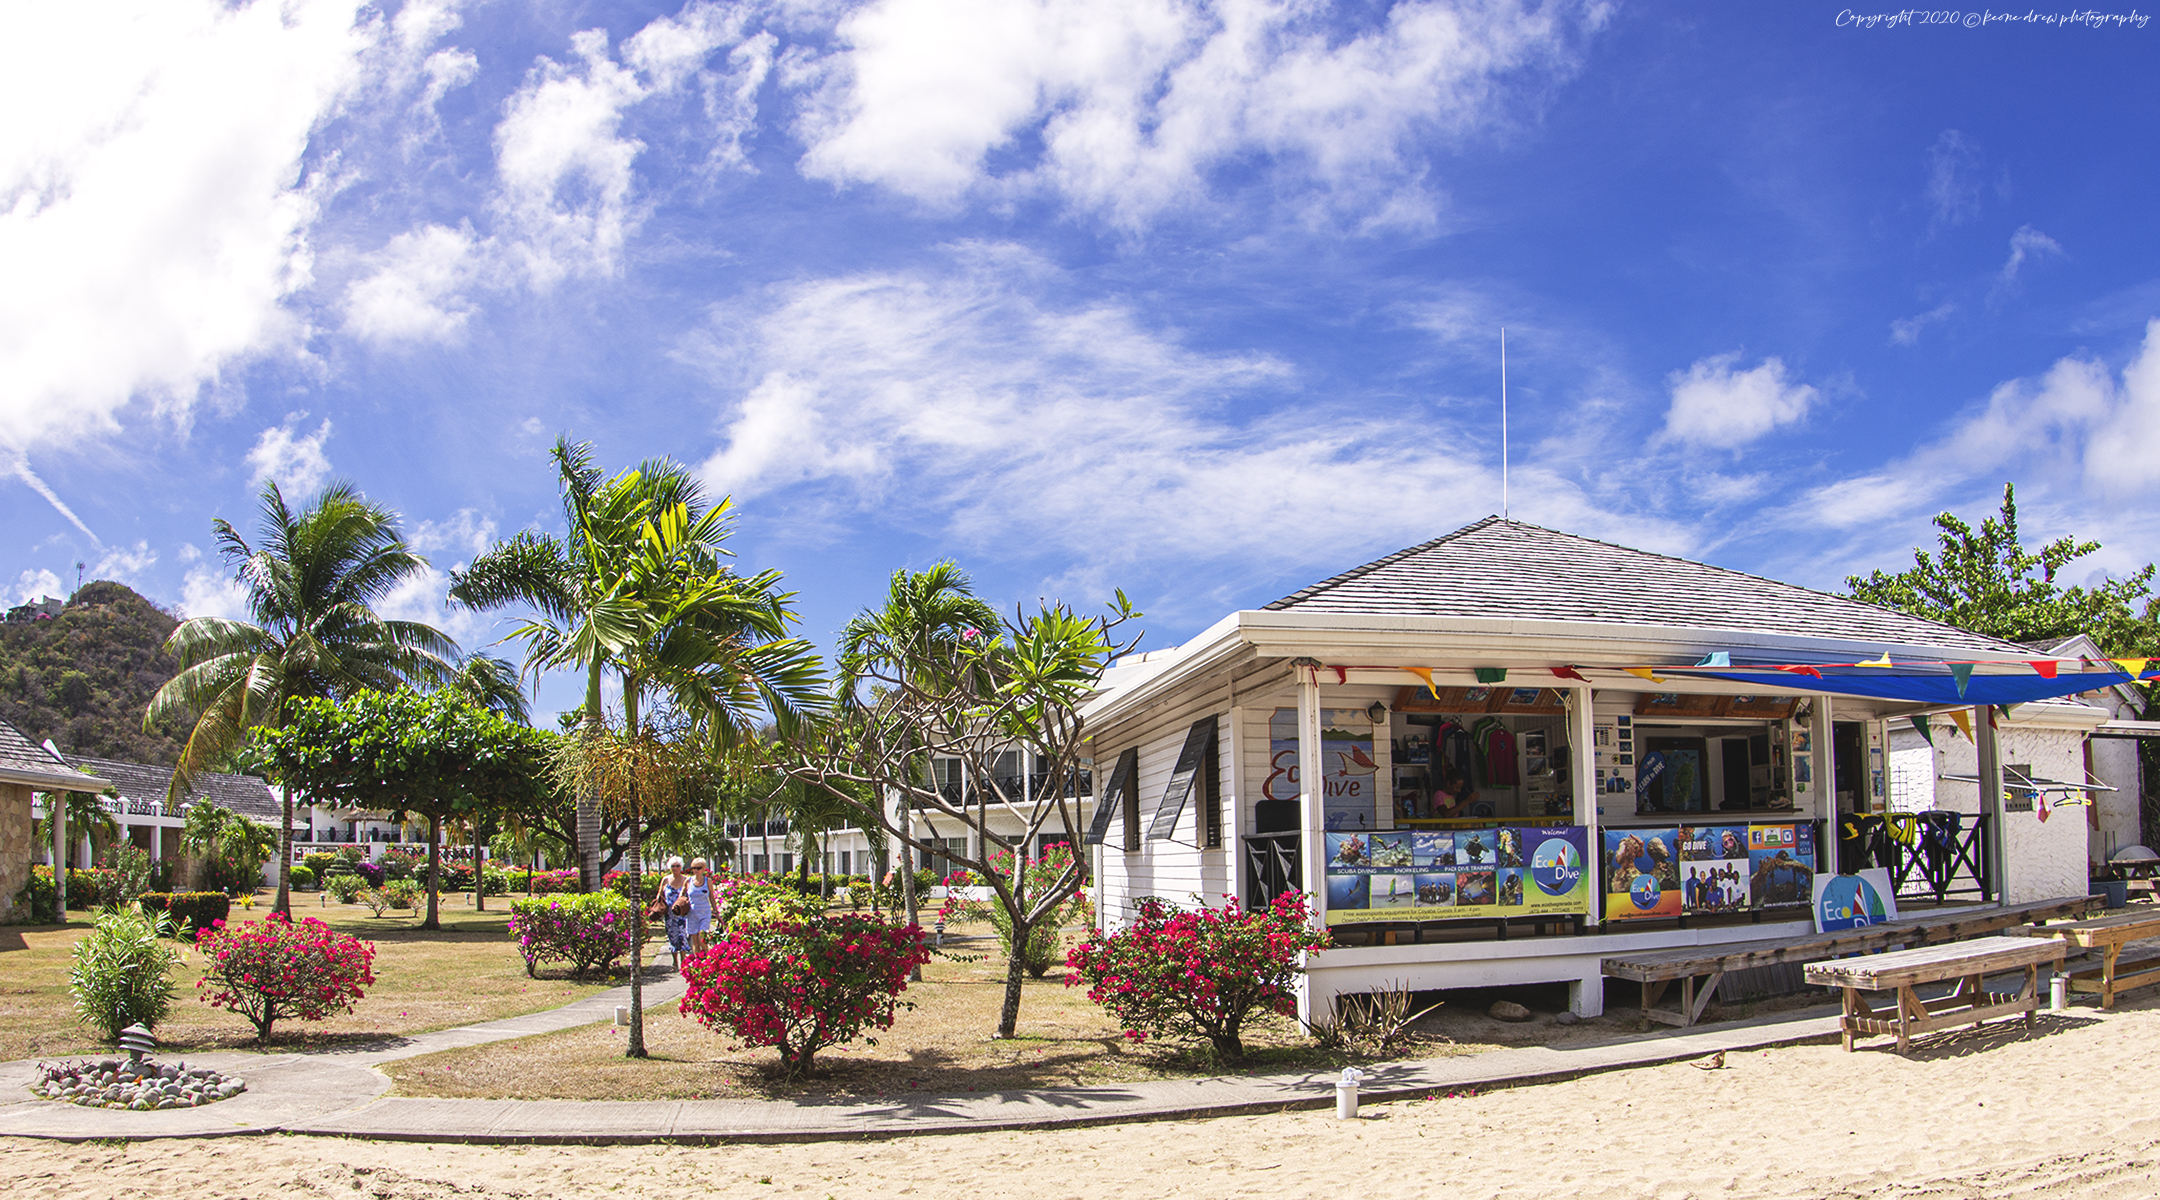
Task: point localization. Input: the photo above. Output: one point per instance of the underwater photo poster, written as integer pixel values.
(1642, 874)
(1457, 874)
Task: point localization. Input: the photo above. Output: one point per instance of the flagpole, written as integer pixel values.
(1503, 425)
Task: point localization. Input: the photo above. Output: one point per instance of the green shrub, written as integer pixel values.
(319, 862)
(301, 877)
(194, 911)
(375, 900)
(403, 893)
(345, 886)
(127, 870)
(589, 930)
(747, 903)
(120, 975)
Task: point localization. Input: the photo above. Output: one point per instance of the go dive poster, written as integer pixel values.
(1642, 874)
(1457, 874)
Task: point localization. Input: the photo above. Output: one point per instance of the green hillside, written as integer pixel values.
(84, 677)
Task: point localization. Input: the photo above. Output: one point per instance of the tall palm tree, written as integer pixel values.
(312, 586)
(925, 614)
(639, 586)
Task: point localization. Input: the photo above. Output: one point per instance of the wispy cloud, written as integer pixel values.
(1906, 331)
(1128, 108)
(295, 460)
(2026, 245)
(1953, 187)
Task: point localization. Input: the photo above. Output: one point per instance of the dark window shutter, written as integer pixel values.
(1113, 797)
(1199, 748)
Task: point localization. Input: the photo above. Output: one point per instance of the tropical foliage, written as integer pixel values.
(588, 930)
(312, 585)
(278, 968)
(1198, 973)
(122, 971)
(230, 848)
(803, 985)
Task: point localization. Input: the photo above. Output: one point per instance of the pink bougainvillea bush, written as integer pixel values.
(277, 968)
(1199, 973)
(803, 985)
(589, 930)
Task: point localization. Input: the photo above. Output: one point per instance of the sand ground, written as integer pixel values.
(2067, 1110)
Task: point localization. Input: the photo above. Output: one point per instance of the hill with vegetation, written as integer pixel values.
(84, 677)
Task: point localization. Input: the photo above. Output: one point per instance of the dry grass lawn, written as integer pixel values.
(942, 1044)
(425, 980)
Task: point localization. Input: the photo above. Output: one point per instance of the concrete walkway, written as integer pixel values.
(337, 1092)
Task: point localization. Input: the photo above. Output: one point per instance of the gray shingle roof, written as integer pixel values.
(244, 794)
(1498, 568)
(21, 756)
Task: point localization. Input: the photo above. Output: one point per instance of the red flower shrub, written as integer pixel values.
(803, 985)
(283, 968)
(1197, 973)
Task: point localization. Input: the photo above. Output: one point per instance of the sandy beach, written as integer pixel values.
(2063, 1111)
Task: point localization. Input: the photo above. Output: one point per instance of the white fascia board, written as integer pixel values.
(1414, 640)
(55, 781)
(1195, 657)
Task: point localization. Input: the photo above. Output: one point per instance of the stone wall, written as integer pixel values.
(15, 848)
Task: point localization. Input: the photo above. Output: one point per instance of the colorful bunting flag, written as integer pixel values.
(2134, 666)
(1568, 673)
(1963, 722)
(1425, 673)
(1643, 672)
(1716, 658)
(1809, 671)
(1962, 673)
(1884, 661)
(1491, 674)
(2046, 667)
(1920, 725)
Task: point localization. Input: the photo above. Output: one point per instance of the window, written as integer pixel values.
(846, 867)
(1211, 797)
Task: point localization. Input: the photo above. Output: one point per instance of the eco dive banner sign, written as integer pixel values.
(1457, 874)
(1854, 901)
(1348, 772)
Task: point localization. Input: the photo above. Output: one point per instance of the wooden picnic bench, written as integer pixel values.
(2109, 935)
(1901, 971)
(1657, 970)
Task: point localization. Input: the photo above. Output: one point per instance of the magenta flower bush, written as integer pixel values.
(588, 930)
(1198, 973)
(803, 985)
(277, 967)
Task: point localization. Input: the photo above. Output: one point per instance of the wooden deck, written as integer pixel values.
(1657, 970)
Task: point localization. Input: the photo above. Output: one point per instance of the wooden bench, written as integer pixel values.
(2109, 935)
(1902, 971)
(1657, 970)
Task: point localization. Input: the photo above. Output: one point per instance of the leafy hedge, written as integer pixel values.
(589, 930)
(195, 910)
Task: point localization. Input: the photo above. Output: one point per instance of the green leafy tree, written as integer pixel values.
(312, 584)
(432, 757)
(81, 815)
(1985, 579)
(922, 687)
(231, 848)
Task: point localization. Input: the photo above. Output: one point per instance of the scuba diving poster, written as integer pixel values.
(1457, 874)
(1642, 874)
(1349, 775)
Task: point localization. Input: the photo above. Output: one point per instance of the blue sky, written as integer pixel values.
(1200, 300)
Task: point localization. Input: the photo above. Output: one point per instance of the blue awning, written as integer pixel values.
(1937, 687)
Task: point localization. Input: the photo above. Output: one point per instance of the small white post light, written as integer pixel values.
(1346, 1093)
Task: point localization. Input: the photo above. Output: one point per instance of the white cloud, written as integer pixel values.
(964, 401)
(36, 585)
(2027, 244)
(1715, 405)
(30, 479)
(1906, 331)
(414, 292)
(1136, 103)
(208, 592)
(125, 564)
(1953, 194)
(467, 533)
(296, 460)
(154, 211)
(2078, 427)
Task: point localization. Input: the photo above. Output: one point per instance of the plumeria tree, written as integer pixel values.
(974, 694)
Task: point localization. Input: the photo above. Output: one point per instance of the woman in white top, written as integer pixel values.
(675, 886)
(700, 892)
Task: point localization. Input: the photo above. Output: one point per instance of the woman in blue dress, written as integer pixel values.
(700, 892)
(674, 886)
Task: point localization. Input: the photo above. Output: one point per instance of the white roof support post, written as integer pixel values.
(1313, 1010)
(1991, 800)
(1582, 775)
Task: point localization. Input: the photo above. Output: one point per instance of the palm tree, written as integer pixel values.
(81, 816)
(639, 587)
(312, 586)
(925, 614)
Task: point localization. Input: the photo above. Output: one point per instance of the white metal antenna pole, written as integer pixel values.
(1503, 425)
